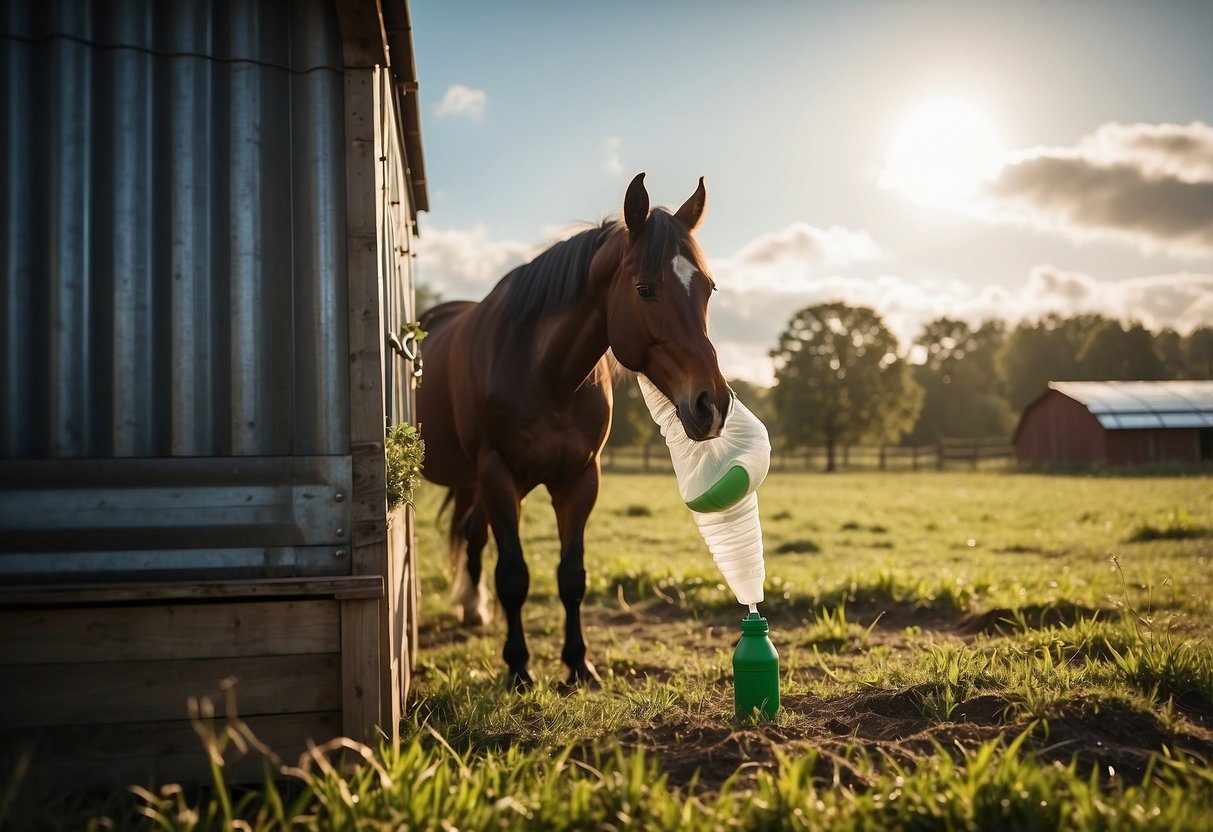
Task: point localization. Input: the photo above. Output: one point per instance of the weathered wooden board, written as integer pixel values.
(358, 586)
(161, 751)
(361, 670)
(107, 692)
(169, 631)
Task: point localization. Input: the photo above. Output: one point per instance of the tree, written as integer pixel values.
(838, 379)
(1037, 353)
(425, 298)
(1170, 347)
(1198, 352)
(758, 400)
(631, 422)
(961, 395)
(1113, 353)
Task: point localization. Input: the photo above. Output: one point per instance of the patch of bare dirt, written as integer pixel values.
(886, 723)
(1108, 737)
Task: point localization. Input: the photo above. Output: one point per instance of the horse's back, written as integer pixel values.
(436, 315)
(482, 392)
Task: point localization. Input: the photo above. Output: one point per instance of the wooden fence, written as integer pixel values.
(949, 454)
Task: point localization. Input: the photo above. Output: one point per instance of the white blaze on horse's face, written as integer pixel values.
(685, 270)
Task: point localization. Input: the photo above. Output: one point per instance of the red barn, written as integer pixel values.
(1118, 423)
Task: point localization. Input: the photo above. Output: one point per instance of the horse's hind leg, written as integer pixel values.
(573, 501)
(501, 501)
(469, 594)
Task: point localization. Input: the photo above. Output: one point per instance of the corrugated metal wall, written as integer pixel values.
(173, 230)
(174, 384)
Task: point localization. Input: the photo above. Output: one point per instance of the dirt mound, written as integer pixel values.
(890, 724)
(1003, 620)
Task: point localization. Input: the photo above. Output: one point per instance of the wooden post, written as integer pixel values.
(882, 453)
(367, 675)
(360, 668)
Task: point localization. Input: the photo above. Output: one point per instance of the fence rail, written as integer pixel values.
(949, 454)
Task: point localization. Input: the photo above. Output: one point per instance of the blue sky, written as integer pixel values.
(970, 159)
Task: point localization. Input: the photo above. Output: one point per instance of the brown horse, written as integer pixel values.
(517, 393)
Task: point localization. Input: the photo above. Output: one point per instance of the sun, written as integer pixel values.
(942, 153)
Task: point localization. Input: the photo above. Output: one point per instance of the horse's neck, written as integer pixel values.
(573, 342)
(570, 345)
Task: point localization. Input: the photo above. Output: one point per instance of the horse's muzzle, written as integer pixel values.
(702, 419)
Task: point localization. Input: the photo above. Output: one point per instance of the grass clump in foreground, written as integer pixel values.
(425, 783)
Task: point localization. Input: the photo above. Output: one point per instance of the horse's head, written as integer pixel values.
(658, 306)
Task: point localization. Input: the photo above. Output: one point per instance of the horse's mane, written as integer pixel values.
(553, 279)
(665, 236)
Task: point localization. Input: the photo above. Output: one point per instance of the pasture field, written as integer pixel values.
(958, 651)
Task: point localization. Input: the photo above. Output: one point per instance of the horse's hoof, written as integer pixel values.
(474, 619)
(584, 675)
(520, 680)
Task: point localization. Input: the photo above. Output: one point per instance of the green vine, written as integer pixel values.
(403, 451)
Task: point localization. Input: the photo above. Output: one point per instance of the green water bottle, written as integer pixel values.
(755, 669)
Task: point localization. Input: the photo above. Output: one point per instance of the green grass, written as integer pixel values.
(958, 651)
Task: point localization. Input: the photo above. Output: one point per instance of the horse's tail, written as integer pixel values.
(468, 597)
(447, 502)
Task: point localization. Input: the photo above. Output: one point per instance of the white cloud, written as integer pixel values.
(1182, 151)
(464, 264)
(1148, 184)
(462, 101)
(787, 260)
(614, 162)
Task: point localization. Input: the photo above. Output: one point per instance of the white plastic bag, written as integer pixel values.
(718, 479)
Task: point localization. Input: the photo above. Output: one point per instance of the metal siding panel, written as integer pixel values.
(174, 275)
(174, 285)
(318, 171)
(174, 279)
(67, 505)
(193, 306)
(26, 568)
(128, 158)
(68, 159)
(23, 368)
(250, 306)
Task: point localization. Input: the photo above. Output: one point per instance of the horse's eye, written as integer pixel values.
(645, 291)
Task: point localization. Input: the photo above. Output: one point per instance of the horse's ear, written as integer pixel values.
(691, 211)
(636, 205)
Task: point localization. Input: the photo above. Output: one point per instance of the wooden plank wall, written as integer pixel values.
(97, 679)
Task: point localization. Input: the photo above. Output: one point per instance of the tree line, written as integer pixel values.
(841, 378)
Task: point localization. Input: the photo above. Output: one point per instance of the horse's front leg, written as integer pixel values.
(501, 500)
(573, 501)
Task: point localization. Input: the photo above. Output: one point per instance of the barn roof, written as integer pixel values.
(1123, 405)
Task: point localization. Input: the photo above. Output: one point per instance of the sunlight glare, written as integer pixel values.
(942, 152)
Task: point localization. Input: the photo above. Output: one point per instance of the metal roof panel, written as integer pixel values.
(1143, 404)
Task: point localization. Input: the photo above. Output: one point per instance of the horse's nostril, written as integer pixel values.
(703, 405)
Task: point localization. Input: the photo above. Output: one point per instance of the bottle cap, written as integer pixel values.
(754, 625)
